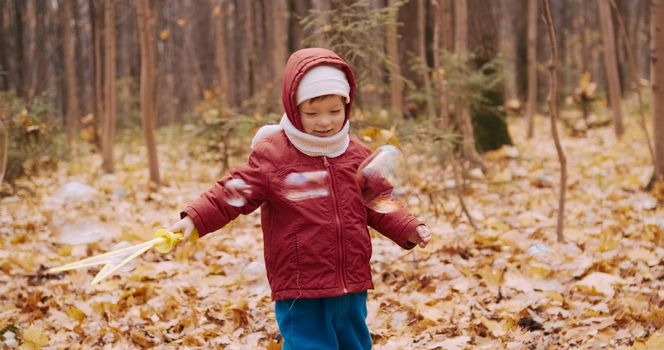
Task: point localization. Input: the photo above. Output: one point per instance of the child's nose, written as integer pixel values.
(325, 120)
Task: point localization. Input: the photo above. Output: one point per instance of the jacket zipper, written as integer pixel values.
(339, 231)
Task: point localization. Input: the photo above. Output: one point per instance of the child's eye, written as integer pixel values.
(310, 114)
(336, 111)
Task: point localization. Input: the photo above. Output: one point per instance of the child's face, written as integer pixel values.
(323, 117)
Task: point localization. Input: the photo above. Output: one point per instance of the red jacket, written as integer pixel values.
(316, 247)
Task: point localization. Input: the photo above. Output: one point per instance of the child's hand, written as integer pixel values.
(185, 225)
(421, 236)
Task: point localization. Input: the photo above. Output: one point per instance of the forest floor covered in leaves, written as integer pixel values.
(508, 285)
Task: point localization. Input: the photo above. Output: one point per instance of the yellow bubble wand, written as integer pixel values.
(163, 241)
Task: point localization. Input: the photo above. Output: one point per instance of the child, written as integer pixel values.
(317, 250)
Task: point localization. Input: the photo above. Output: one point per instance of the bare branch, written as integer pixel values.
(553, 112)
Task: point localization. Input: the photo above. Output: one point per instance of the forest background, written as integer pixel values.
(534, 136)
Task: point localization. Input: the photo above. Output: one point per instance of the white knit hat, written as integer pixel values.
(321, 81)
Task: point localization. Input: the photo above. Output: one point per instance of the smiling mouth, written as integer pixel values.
(324, 132)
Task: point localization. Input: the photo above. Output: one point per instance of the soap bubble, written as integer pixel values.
(306, 185)
(236, 192)
(380, 176)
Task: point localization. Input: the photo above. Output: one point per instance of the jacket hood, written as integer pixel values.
(299, 63)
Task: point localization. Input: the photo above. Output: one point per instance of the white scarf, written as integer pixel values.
(313, 146)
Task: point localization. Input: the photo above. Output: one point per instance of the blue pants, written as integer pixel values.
(324, 323)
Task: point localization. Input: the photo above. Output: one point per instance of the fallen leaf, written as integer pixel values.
(599, 283)
(34, 337)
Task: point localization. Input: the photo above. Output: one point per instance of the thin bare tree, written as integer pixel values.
(508, 46)
(531, 108)
(108, 128)
(438, 72)
(71, 90)
(277, 14)
(422, 54)
(553, 115)
(392, 46)
(462, 112)
(657, 78)
(146, 31)
(631, 60)
(219, 20)
(96, 21)
(611, 65)
(4, 148)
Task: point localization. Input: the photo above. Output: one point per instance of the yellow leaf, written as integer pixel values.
(496, 328)
(491, 276)
(75, 313)
(607, 242)
(369, 134)
(555, 296)
(34, 336)
(656, 341)
(592, 313)
(537, 269)
(141, 339)
(599, 284)
(164, 34)
(486, 240)
(65, 250)
(272, 345)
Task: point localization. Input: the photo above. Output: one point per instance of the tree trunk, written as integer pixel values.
(507, 39)
(83, 65)
(192, 60)
(4, 50)
(585, 54)
(4, 149)
(108, 129)
(611, 65)
(396, 85)
(72, 113)
(19, 49)
(323, 6)
(298, 10)
(96, 20)
(148, 78)
(218, 17)
(422, 53)
(447, 24)
(657, 78)
(438, 72)
(462, 112)
(278, 39)
(531, 108)
(635, 75)
(41, 50)
(553, 111)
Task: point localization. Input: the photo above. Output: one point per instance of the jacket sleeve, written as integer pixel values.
(396, 225)
(211, 212)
